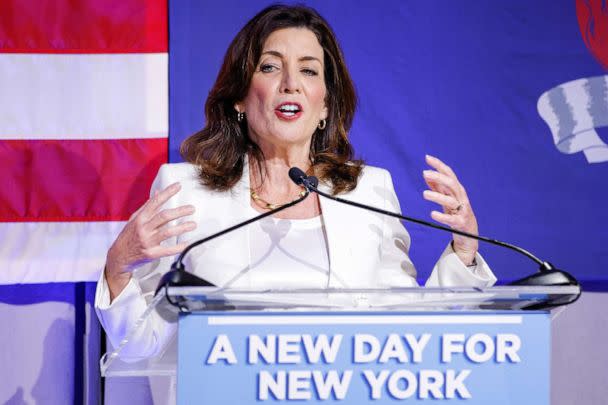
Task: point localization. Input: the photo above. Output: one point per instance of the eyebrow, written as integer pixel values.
(280, 55)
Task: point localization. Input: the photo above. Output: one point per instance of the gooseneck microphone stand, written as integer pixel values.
(548, 275)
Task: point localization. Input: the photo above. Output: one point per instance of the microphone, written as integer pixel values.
(178, 276)
(548, 275)
(301, 179)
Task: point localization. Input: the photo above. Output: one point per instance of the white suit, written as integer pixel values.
(365, 250)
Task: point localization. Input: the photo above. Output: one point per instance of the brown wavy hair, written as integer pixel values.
(218, 150)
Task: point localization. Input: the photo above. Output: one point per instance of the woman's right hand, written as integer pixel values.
(140, 240)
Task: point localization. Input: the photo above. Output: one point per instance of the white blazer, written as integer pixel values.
(366, 250)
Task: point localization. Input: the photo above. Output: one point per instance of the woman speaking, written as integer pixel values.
(282, 98)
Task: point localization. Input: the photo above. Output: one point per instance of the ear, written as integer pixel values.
(324, 113)
(238, 107)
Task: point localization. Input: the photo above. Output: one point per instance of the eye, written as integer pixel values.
(309, 72)
(266, 68)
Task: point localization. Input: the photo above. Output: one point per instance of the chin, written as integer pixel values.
(293, 134)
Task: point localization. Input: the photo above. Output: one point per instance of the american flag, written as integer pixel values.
(83, 129)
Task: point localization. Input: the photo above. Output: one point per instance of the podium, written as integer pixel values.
(359, 346)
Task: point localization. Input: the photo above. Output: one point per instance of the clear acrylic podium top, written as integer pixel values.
(171, 301)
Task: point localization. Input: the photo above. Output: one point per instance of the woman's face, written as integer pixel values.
(286, 97)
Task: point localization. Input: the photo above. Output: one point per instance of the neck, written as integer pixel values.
(270, 181)
(272, 174)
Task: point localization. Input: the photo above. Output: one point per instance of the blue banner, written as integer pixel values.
(383, 358)
(511, 94)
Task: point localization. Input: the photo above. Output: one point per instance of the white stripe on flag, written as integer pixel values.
(77, 96)
(42, 252)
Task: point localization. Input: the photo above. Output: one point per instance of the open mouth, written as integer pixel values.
(288, 110)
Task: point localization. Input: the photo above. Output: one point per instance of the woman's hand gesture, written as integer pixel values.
(140, 240)
(446, 190)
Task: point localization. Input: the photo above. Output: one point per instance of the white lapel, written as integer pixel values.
(241, 210)
(339, 238)
(225, 261)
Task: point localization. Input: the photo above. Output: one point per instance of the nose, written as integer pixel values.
(290, 82)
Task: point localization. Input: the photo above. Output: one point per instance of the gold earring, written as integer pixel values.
(322, 124)
(240, 116)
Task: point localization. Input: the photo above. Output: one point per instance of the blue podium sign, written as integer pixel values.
(356, 358)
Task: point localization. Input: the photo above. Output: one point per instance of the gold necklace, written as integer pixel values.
(270, 206)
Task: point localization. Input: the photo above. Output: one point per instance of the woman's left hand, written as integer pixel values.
(446, 190)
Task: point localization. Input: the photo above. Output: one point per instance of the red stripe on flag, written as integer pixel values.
(77, 180)
(83, 26)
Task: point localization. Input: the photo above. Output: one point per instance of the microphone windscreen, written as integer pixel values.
(297, 175)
